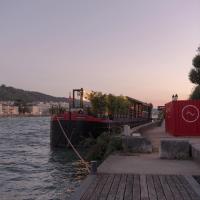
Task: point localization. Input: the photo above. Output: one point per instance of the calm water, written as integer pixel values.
(28, 168)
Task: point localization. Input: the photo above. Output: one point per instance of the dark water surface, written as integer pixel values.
(29, 169)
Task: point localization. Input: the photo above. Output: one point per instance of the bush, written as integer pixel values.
(115, 144)
(105, 145)
(96, 152)
(88, 142)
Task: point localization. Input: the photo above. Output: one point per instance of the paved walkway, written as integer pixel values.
(155, 134)
(148, 164)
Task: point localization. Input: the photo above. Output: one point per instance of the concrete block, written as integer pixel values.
(196, 152)
(174, 149)
(127, 130)
(136, 134)
(136, 144)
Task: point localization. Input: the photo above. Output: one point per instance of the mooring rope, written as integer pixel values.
(69, 142)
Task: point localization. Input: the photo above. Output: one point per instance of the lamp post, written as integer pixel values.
(174, 97)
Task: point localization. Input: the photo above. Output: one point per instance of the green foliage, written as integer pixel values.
(196, 93)
(111, 104)
(13, 94)
(98, 101)
(88, 142)
(108, 104)
(105, 145)
(95, 153)
(115, 144)
(194, 74)
(196, 61)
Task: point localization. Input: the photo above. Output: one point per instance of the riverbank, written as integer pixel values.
(123, 175)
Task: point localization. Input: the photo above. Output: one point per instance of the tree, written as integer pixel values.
(109, 104)
(98, 101)
(194, 76)
(196, 93)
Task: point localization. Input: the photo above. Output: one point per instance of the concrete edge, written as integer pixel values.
(144, 127)
(83, 187)
(195, 186)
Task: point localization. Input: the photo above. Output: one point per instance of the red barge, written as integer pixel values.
(78, 124)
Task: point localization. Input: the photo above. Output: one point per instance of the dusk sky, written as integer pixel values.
(140, 48)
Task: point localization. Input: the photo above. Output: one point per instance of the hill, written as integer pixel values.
(14, 94)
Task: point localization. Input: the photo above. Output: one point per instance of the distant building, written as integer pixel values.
(14, 110)
(64, 105)
(35, 110)
(44, 108)
(9, 109)
(5, 109)
(154, 114)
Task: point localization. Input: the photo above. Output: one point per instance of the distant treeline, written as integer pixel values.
(14, 94)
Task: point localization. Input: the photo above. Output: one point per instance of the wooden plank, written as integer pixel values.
(166, 189)
(129, 188)
(99, 187)
(151, 188)
(143, 188)
(188, 187)
(114, 187)
(136, 187)
(87, 183)
(194, 184)
(121, 188)
(174, 189)
(91, 188)
(158, 188)
(106, 188)
(181, 189)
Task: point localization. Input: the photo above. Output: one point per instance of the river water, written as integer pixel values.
(29, 169)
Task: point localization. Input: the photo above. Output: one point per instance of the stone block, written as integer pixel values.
(174, 149)
(137, 144)
(196, 152)
(126, 130)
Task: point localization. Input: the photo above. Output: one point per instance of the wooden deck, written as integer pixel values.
(140, 187)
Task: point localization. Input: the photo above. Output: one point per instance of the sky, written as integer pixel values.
(139, 48)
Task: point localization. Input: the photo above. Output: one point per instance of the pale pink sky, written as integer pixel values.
(139, 48)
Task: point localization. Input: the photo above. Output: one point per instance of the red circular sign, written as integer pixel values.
(190, 113)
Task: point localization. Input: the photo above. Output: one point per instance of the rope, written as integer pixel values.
(69, 142)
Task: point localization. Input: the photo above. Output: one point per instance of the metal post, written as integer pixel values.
(93, 167)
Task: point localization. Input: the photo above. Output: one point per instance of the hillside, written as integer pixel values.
(14, 94)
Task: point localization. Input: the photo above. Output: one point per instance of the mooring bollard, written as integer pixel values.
(93, 167)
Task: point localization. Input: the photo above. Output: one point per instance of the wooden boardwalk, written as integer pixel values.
(140, 187)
